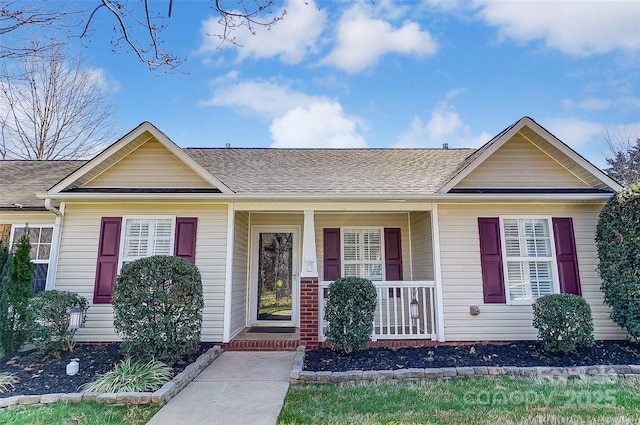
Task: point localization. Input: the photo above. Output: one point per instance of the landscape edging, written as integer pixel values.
(158, 397)
(360, 377)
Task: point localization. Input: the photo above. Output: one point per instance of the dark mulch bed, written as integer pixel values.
(46, 374)
(525, 353)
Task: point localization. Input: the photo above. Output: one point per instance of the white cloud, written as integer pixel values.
(589, 104)
(574, 132)
(289, 39)
(362, 40)
(299, 120)
(576, 27)
(102, 80)
(321, 125)
(265, 98)
(444, 126)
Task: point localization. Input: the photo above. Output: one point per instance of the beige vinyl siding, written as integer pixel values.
(462, 279)
(520, 164)
(277, 219)
(78, 258)
(20, 218)
(421, 245)
(400, 220)
(149, 166)
(240, 270)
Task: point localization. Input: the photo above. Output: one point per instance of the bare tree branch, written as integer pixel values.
(623, 155)
(37, 25)
(53, 107)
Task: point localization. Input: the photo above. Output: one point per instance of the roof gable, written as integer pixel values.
(143, 159)
(526, 156)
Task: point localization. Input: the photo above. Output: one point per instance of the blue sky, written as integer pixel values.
(388, 74)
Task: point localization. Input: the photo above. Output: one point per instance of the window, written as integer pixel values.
(529, 260)
(144, 237)
(362, 254)
(40, 238)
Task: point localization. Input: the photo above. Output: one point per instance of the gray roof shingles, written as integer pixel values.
(331, 171)
(21, 180)
(255, 171)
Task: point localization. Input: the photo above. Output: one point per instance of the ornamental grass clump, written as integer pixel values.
(131, 376)
(7, 380)
(563, 321)
(157, 304)
(350, 310)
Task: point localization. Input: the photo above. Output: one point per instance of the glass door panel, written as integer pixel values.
(275, 276)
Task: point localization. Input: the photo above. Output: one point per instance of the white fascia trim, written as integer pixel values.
(495, 145)
(160, 137)
(437, 271)
(228, 278)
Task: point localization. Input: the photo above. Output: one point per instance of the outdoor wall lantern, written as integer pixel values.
(75, 318)
(414, 308)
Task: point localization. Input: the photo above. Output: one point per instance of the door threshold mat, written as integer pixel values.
(271, 330)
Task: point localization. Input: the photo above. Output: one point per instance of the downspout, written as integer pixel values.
(55, 243)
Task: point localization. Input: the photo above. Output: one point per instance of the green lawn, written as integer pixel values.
(467, 401)
(77, 414)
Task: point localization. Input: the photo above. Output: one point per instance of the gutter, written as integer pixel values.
(55, 244)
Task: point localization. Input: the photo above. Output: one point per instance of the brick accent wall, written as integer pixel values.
(309, 312)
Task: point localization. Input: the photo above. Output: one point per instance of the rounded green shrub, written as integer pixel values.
(350, 310)
(563, 321)
(52, 312)
(157, 304)
(618, 243)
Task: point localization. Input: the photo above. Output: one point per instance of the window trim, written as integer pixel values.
(51, 245)
(505, 259)
(34, 226)
(382, 252)
(123, 233)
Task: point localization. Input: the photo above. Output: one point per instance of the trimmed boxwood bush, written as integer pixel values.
(563, 321)
(52, 312)
(157, 304)
(350, 309)
(618, 243)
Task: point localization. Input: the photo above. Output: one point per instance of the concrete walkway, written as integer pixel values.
(246, 388)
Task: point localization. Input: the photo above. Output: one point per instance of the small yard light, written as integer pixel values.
(75, 318)
(414, 308)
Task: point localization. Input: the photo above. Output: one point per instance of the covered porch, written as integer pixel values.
(282, 260)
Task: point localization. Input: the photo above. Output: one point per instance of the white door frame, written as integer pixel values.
(252, 316)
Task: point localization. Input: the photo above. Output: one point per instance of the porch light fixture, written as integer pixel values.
(414, 307)
(75, 318)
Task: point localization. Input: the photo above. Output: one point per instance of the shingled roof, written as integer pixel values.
(331, 171)
(21, 180)
(273, 171)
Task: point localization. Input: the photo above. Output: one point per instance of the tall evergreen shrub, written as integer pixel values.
(6, 260)
(618, 244)
(19, 317)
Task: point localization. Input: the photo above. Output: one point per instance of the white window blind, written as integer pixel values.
(529, 258)
(362, 253)
(145, 237)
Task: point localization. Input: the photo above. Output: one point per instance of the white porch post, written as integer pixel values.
(309, 258)
(437, 271)
(226, 320)
(55, 248)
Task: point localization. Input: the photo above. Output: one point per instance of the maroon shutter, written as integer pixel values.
(491, 260)
(185, 243)
(331, 242)
(566, 255)
(107, 267)
(392, 254)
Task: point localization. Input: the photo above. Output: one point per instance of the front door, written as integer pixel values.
(275, 275)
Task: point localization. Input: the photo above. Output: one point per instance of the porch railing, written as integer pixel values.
(393, 312)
